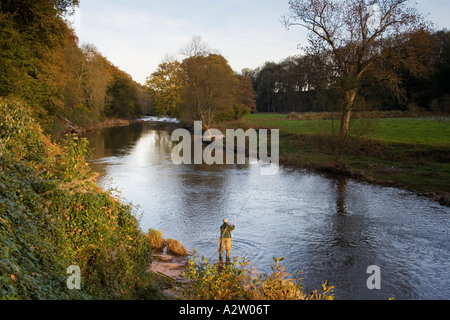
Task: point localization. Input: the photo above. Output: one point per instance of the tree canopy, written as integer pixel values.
(164, 86)
(202, 87)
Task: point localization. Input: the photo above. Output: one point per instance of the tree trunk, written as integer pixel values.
(347, 111)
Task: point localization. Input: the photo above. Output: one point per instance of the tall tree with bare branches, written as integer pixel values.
(357, 36)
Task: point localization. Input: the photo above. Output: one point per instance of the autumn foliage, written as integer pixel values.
(42, 63)
(202, 87)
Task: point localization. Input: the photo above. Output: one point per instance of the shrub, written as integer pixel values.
(21, 137)
(237, 281)
(175, 247)
(207, 282)
(155, 239)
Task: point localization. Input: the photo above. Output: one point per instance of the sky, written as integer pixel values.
(136, 35)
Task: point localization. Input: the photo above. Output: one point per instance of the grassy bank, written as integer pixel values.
(410, 153)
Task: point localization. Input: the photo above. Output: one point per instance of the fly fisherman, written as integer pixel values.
(225, 238)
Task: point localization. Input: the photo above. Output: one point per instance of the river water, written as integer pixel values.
(330, 228)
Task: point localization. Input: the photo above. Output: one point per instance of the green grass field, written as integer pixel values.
(432, 131)
(425, 131)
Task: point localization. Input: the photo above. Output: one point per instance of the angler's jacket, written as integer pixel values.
(225, 230)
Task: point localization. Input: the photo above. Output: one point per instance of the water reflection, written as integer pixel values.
(340, 198)
(328, 227)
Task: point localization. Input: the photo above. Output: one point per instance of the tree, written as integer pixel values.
(123, 96)
(32, 38)
(42, 64)
(428, 87)
(245, 97)
(355, 35)
(87, 79)
(96, 81)
(164, 87)
(12, 54)
(76, 71)
(197, 48)
(208, 90)
(292, 84)
(202, 87)
(441, 88)
(264, 85)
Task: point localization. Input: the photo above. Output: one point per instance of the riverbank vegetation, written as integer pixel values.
(171, 246)
(237, 280)
(53, 215)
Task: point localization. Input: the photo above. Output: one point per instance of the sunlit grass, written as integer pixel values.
(423, 131)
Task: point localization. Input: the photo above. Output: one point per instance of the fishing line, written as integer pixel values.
(244, 205)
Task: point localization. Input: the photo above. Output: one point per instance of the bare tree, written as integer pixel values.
(356, 35)
(197, 48)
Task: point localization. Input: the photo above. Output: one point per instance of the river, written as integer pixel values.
(329, 227)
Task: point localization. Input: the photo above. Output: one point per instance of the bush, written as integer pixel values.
(175, 247)
(237, 281)
(207, 282)
(21, 137)
(156, 240)
(172, 246)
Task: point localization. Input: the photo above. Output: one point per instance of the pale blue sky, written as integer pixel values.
(136, 35)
